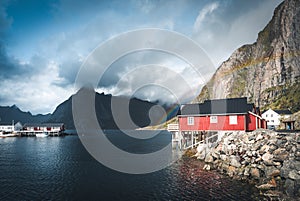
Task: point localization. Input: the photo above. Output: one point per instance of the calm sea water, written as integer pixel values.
(59, 168)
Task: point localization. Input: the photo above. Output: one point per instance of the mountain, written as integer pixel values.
(138, 110)
(9, 113)
(267, 71)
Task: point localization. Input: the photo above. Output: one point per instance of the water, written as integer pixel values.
(59, 168)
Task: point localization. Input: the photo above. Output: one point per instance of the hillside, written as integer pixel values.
(9, 113)
(267, 71)
(138, 111)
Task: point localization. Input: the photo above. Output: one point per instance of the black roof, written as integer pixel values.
(218, 106)
(5, 123)
(43, 124)
(283, 111)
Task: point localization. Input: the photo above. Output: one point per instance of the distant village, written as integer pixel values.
(31, 129)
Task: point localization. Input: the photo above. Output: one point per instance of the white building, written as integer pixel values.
(47, 127)
(274, 117)
(6, 128)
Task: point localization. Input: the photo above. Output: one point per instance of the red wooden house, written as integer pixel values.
(220, 114)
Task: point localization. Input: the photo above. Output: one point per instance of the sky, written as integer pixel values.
(44, 44)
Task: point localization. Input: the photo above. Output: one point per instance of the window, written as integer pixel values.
(213, 119)
(271, 115)
(190, 121)
(272, 121)
(233, 119)
(266, 115)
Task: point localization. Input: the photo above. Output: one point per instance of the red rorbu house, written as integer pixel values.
(220, 115)
(46, 127)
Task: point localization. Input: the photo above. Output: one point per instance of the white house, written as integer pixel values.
(6, 128)
(274, 117)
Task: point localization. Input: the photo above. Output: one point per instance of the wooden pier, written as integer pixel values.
(189, 139)
(33, 133)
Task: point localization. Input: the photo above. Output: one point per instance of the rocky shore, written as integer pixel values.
(268, 159)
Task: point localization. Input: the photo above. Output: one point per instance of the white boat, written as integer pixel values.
(8, 134)
(41, 135)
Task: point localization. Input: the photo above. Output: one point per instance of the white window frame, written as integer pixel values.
(213, 119)
(190, 121)
(233, 120)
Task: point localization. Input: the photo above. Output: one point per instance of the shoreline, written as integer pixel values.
(270, 160)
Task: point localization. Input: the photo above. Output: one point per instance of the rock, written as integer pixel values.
(247, 171)
(273, 195)
(224, 167)
(271, 171)
(255, 147)
(251, 137)
(286, 168)
(261, 167)
(231, 171)
(215, 154)
(294, 175)
(267, 158)
(298, 139)
(272, 148)
(231, 148)
(289, 187)
(269, 185)
(258, 159)
(277, 164)
(259, 137)
(297, 153)
(206, 167)
(209, 158)
(297, 165)
(280, 154)
(201, 148)
(234, 161)
(201, 156)
(254, 172)
(289, 147)
(223, 157)
(265, 148)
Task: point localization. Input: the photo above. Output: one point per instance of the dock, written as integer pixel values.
(33, 133)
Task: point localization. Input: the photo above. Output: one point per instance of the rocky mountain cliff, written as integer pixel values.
(138, 111)
(267, 71)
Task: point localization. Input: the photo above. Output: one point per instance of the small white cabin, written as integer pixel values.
(5, 127)
(274, 117)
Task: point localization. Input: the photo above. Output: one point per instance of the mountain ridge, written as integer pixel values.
(267, 72)
(138, 110)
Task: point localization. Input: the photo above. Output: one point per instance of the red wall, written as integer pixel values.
(251, 122)
(264, 123)
(223, 123)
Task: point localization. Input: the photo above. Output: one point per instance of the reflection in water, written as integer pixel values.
(59, 168)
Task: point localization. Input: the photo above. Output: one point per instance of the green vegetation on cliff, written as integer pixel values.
(288, 97)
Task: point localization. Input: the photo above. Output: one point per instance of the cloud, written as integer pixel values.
(232, 25)
(205, 12)
(37, 92)
(153, 76)
(59, 47)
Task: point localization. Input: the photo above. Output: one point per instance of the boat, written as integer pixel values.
(3, 134)
(44, 134)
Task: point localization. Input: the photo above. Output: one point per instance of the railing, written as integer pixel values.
(202, 141)
(173, 127)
